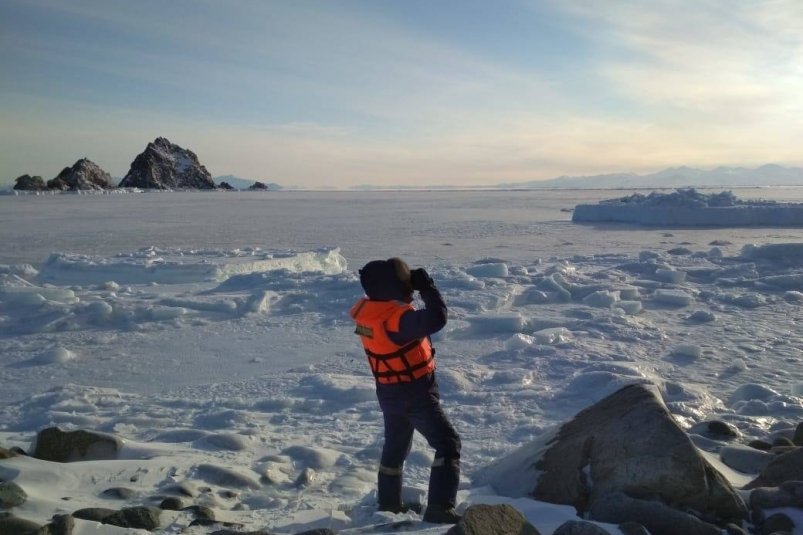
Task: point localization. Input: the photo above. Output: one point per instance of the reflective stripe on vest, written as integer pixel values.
(390, 362)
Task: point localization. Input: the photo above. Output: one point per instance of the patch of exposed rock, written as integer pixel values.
(53, 444)
(492, 520)
(623, 459)
(164, 165)
(29, 183)
(83, 175)
(258, 186)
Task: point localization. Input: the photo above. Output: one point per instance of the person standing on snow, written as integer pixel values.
(396, 340)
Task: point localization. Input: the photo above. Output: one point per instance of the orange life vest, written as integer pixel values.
(390, 362)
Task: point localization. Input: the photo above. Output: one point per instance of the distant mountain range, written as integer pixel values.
(675, 177)
(243, 183)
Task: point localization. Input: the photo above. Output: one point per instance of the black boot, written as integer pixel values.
(441, 514)
(389, 489)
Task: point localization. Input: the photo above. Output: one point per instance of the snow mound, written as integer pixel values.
(177, 266)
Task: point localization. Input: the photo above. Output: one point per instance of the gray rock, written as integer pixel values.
(745, 459)
(226, 477)
(164, 165)
(783, 468)
(135, 517)
(83, 175)
(797, 438)
(716, 429)
(306, 477)
(777, 522)
(226, 186)
(579, 527)
(319, 531)
(633, 528)
(12, 525)
(60, 525)
(200, 511)
(11, 495)
(782, 442)
(53, 444)
(119, 493)
(500, 519)
(94, 514)
(172, 504)
(29, 183)
(762, 445)
(790, 494)
(658, 518)
(733, 529)
(258, 186)
(629, 443)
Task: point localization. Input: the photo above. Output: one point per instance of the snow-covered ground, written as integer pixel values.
(212, 329)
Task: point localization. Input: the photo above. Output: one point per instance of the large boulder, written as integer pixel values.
(83, 175)
(53, 444)
(626, 445)
(164, 165)
(29, 183)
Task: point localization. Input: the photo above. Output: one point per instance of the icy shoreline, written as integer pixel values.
(184, 367)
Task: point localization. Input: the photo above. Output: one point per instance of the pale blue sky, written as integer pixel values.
(337, 93)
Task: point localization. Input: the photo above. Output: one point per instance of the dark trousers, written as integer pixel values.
(409, 407)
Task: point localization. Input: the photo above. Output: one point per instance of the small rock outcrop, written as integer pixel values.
(258, 186)
(164, 165)
(11, 495)
(129, 517)
(11, 525)
(783, 468)
(226, 186)
(623, 459)
(492, 520)
(53, 444)
(29, 183)
(83, 175)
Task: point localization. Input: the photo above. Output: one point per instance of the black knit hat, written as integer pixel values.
(384, 280)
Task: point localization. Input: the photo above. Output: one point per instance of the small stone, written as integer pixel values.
(53, 444)
(633, 528)
(782, 442)
(200, 511)
(762, 445)
(12, 525)
(723, 429)
(135, 517)
(11, 495)
(6, 454)
(733, 529)
(499, 519)
(94, 514)
(172, 504)
(777, 522)
(305, 478)
(579, 527)
(119, 493)
(61, 525)
(797, 438)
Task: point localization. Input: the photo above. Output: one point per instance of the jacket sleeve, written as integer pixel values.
(415, 324)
